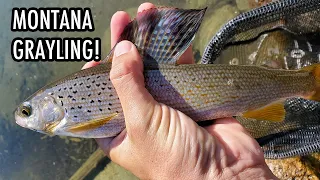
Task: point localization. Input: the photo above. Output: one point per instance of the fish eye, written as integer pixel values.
(26, 111)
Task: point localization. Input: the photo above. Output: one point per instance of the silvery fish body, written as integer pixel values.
(203, 92)
(85, 104)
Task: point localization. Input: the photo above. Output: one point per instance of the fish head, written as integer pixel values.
(40, 113)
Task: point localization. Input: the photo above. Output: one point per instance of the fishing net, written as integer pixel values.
(282, 34)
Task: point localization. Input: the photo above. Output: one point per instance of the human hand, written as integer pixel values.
(162, 143)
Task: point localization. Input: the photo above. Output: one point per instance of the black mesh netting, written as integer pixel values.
(283, 34)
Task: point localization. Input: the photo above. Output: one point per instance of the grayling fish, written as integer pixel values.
(85, 104)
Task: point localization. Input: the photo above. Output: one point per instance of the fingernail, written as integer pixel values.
(122, 48)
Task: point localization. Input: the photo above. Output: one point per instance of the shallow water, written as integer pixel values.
(25, 154)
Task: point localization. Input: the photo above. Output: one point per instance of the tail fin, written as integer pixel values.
(162, 34)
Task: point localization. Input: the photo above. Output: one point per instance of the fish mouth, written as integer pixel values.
(20, 121)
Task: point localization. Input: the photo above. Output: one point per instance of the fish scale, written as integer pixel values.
(85, 104)
(95, 97)
(203, 92)
(201, 97)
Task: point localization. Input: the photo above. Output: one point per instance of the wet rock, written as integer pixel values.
(199, 3)
(258, 3)
(214, 20)
(243, 5)
(296, 168)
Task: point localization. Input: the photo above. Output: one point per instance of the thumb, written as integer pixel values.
(128, 79)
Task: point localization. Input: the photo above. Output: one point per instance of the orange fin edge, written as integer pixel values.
(92, 124)
(274, 112)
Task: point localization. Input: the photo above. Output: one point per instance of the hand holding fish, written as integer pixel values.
(161, 96)
(85, 103)
(163, 143)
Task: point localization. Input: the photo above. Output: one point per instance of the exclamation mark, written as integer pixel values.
(97, 49)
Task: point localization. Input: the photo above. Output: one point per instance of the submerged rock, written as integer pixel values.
(306, 167)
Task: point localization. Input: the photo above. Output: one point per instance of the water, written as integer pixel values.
(25, 154)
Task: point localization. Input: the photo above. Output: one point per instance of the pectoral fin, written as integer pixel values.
(49, 129)
(92, 124)
(273, 112)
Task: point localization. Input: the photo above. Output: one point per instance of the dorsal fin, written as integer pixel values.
(162, 34)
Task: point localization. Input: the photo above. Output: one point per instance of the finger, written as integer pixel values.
(118, 22)
(120, 19)
(111, 145)
(235, 139)
(228, 127)
(90, 64)
(145, 6)
(104, 144)
(220, 124)
(115, 148)
(231, 123)
(128, 79)
(187, 57)
(223, 123)
(226, 121)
